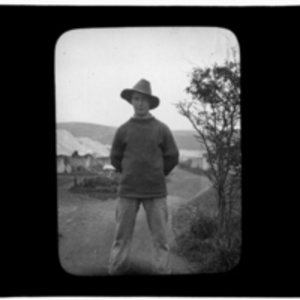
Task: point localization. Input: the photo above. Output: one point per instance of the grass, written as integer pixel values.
(198, 171)
(185, 184)
(200, 240)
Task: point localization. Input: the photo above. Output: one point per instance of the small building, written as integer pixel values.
(194, 159)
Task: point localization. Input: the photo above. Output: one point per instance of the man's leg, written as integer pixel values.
(157, 217)
(125, 220)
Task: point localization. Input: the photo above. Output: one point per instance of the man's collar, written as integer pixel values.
(148, 117)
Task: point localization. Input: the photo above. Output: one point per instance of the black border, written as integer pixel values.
(29, 264)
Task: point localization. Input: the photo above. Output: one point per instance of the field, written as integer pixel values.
(86, 227)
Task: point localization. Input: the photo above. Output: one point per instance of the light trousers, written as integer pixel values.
(157, 217)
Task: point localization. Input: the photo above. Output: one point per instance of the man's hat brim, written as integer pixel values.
(127, 95)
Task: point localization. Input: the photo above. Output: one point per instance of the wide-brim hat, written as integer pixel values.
(143, 87)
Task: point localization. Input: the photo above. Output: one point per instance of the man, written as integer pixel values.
(144, 152)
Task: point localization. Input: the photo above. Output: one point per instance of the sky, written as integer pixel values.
(93, 66)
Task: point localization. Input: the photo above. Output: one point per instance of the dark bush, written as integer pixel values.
(100, 187)
(203, 243)
(204, 227)
(101, 181)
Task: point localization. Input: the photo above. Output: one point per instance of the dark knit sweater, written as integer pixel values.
(144, 152)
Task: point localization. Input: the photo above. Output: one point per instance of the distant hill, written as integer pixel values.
(185, 139)
(104, 134)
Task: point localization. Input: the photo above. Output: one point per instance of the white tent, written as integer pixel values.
(98, 149)
(79, 153)
(66, 144)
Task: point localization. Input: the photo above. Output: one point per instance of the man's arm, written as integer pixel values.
(170, 151)
(117, 149)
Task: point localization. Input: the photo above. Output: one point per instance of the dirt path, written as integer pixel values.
(87, 228)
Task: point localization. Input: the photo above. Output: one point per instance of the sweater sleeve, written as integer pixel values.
(117, 149)
(170, 151)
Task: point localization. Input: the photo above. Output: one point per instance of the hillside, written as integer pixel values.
(187, 140)
(104, 134)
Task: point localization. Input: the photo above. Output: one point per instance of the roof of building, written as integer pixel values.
(98, 149)
(66, 144)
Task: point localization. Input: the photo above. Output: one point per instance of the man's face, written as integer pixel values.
(140, 104)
